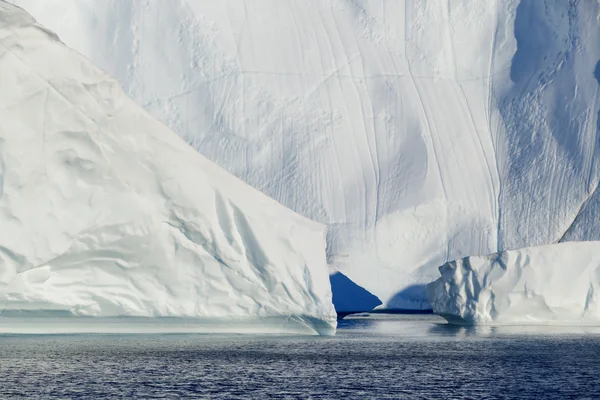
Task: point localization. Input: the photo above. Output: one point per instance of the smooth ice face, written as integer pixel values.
(558, 283)
(107, 213)
(420, 132)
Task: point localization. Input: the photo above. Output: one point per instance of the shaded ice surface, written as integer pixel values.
(104, 212)
(552, 284)
(419, 131)
(348, 296)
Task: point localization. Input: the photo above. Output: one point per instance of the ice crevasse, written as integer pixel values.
(551, 284)
(420, 132)
(105, 212)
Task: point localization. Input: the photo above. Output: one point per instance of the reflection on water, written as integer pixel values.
(432, 327)
(372, 356)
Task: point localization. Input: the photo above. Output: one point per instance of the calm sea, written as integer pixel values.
(372, 357)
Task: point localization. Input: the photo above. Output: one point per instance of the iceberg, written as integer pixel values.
(107, 215)
(419, 132)
(551, 284)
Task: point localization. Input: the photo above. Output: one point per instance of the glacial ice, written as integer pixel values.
(551, 284)
(107, 213)
(419, 131)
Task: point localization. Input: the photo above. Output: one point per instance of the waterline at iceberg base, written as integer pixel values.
(554, 284)
(52, 322)
(106, 213)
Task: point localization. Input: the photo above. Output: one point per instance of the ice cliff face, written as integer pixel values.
(558, 283)
(419, 131)
(105, 212)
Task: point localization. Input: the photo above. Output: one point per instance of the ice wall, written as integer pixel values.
(419, 131)
(552, 284)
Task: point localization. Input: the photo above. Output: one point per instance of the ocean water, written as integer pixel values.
(371, 357)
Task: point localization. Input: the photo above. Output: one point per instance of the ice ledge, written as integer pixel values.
(17, 322)
(552, 284)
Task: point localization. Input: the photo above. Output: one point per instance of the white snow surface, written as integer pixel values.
(551, 284)
(419, 131)
(105, 212)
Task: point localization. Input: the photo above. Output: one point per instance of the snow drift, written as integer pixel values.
(105, 212)
(557, 283)
(419, 131)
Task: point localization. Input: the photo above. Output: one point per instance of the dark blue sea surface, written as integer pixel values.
(372, 357)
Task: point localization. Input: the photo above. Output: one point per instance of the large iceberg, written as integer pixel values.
(107, 213)
(419, 131)
(558, 283)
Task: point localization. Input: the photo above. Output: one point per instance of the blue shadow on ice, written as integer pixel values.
(531, 33)
(410, 300)
(349, 298)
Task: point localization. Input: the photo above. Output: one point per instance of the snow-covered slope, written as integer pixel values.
(558, 283)
(106, 212)
(419, 131)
